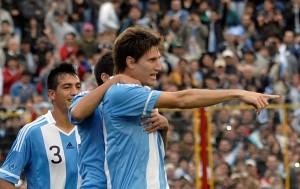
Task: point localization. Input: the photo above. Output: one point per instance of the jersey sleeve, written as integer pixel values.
(132, 100)
(17, 158)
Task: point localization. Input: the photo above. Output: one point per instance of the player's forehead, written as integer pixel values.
(67, 78)
(153, 52)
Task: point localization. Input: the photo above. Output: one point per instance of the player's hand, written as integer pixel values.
(258, 100)
(156, 122)
(122, 78)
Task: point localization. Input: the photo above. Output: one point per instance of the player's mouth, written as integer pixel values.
(153, 76)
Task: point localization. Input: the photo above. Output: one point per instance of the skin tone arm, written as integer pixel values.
(158, 122)
(193, 98)
(91, 100)
(6, 185)
(200, 97)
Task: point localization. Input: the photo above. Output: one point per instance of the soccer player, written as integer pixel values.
(134, 157)
(46, 149)
(91, 144)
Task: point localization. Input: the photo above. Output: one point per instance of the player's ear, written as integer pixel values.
(51, 94)
(130, 61)
(104, 77)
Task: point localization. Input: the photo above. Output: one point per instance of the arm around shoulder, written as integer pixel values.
(89, 103)
(6, 185)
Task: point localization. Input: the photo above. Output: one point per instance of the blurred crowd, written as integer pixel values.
(212, 44)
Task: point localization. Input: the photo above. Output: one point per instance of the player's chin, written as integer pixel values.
(151, 83)
(68, 103)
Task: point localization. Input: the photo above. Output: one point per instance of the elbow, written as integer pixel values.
(76, 115)
(6, 185)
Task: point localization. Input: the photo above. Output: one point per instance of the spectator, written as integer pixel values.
(153, 15)
(178, 74)
(289, 45)
(87, 42)
(186, 146)
(33, 31)
(229, 16)
(11, 74)
(238, 6)
(108, 16)
(29, 59)
(197, 77)
(6, 33)
(134, 18)
(219, 69)
(32, 9)
(42, 49)
(5, 16)
(215, 27)
(60, 27)
(182, 170)
(69, 48)
(194, 36)
(274, 168)
(177, 12)
(292, 15)
(23, 90)
(80, 14)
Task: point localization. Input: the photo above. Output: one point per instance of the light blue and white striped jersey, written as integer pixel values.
(46, 154)
(91, 147)
(134, 157)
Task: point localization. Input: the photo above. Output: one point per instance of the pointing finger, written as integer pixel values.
(272, 96)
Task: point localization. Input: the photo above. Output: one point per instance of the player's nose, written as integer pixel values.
(74, 91)
(158, 65)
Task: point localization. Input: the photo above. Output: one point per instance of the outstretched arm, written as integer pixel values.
(88, 103)
(6, 185)
(194, 98)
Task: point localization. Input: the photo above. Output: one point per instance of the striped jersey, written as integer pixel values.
(46, 155)
(135, 158)
(90, 147)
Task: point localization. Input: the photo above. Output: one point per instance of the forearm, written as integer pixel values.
(193, 98)
(89, 103)
(6, 185)
(203, 97)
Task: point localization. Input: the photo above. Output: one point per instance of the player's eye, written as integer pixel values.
(78, 86)
(67, 86)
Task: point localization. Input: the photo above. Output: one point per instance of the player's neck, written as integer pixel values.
(62, 121)
(132, 74)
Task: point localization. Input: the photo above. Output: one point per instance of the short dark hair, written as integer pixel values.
(104, 65)
(134, 42)
(59, 70)
(27, 73)
(5, 22)
(70, 33)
